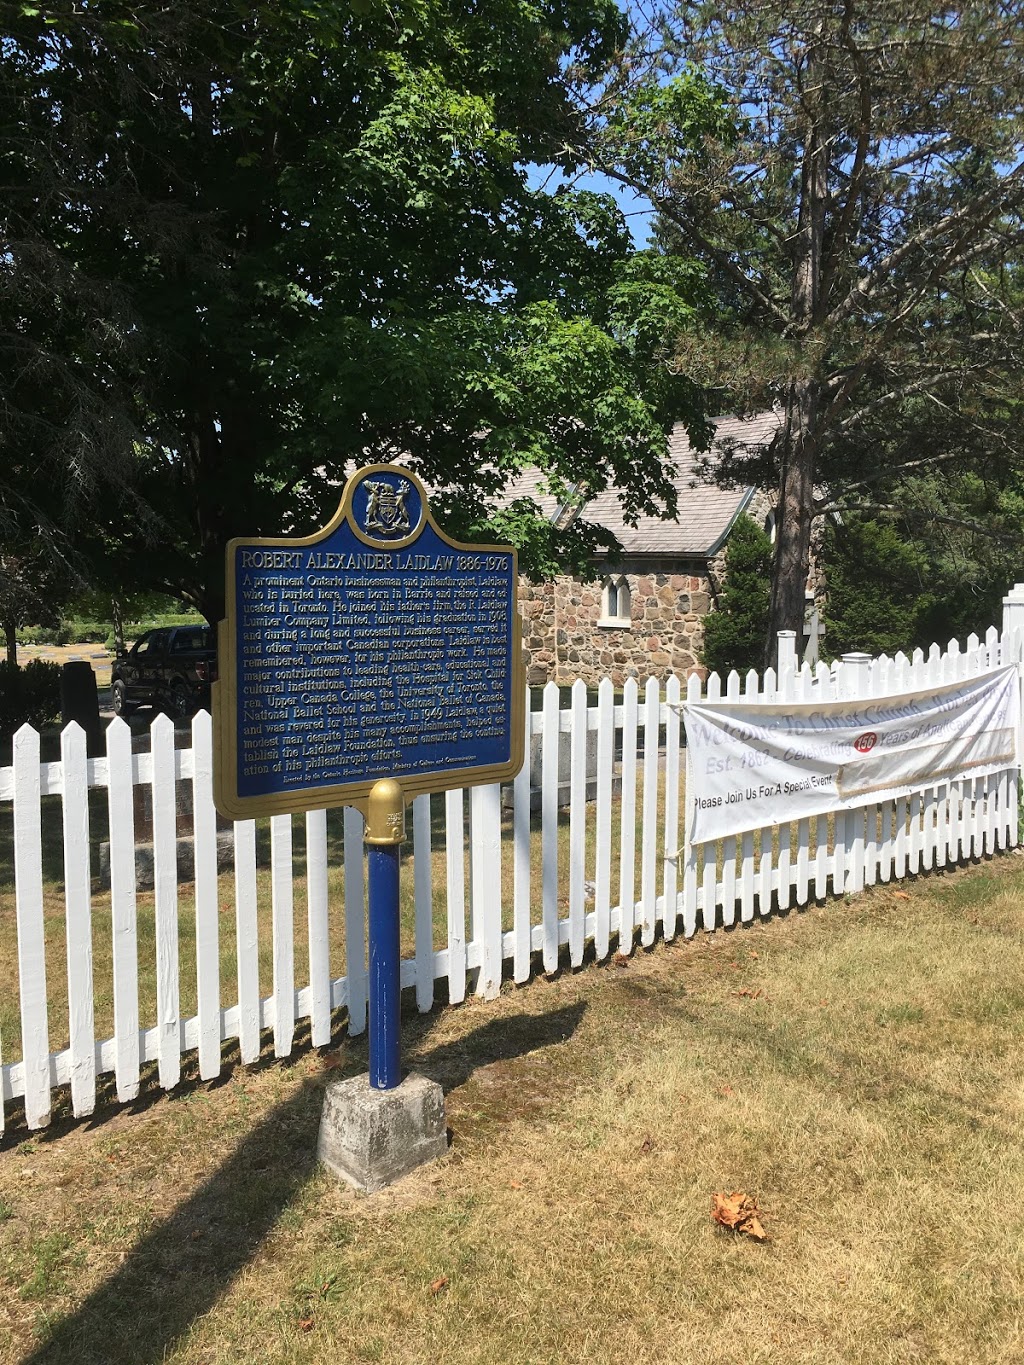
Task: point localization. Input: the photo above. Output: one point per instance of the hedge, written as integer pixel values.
(29, 695)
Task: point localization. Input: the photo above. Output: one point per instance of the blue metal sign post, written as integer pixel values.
(366, 665)
(385, 832)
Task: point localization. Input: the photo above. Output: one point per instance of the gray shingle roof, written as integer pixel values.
(705, 511)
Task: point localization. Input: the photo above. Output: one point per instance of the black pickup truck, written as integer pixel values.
(171, 669)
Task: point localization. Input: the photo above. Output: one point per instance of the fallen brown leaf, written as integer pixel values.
(621, 960)
(738, 1212)
(648, 1144)
(901, 895)
(725, 1090)
(329, 1060)
(437, 1285)
(305, 1324)
(516, 1184)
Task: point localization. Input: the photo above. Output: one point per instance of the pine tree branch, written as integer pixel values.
(972, 217)
(686, 225)
(885, 400)
(822, 505)
(965, 525)
(840, 237)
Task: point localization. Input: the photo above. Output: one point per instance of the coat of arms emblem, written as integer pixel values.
(386, 512)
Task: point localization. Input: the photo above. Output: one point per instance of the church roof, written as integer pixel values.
(705, 512)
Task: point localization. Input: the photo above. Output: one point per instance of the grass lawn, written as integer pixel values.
(855, 1067)
(102, 938)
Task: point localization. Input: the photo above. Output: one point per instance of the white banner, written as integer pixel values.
(754, 764)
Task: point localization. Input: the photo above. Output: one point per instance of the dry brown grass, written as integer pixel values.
(869, 1097)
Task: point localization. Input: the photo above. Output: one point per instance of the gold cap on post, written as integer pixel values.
(385, 813)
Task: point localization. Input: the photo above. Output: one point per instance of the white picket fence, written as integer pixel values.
(639, 765)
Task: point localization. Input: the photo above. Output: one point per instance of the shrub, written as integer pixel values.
(29, 695)
(734, 634)
(86, 632)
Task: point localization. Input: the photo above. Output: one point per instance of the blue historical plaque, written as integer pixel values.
(378, 648)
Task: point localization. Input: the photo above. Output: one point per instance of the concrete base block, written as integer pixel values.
(371, 1138)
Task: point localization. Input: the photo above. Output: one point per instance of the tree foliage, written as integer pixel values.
(851, 176)
(29, 695)
(880, 597)
(734, 632)
(33, 588)
(251, 246)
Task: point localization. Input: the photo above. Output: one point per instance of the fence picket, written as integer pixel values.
(747, 847)
(577, 820)
(455, 868)
(318, 928)
(603, 851)
(649, 832)
(521, 907)
(822, 860)
(282, 911)
(123, 909)
(247, 941)
(727, 890)
(485, 871)
(204, 852)
(423, 900)
(355, 922)
(28, 883)
(690, 849)
(949, 847)
(78, 920)
(708, 889)
(627, 818)
(670, 875)
(165, 887)
(728, 868)
(550, 744)
(789, 684)
(767, 833)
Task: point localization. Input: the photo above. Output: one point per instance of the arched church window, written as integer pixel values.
(615, 601)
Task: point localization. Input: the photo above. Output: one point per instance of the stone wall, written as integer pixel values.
(565, 636)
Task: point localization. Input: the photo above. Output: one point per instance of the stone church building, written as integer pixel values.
(643, 615)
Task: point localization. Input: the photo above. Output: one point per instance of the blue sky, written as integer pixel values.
(638, 210)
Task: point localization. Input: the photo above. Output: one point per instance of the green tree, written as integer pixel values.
(880, 597)
(734, 632)
(854, 204)
(33, 588)
(274, 241)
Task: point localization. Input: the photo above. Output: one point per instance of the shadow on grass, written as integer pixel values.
(178, 1271)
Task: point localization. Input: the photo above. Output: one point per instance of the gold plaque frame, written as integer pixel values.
(225, 689)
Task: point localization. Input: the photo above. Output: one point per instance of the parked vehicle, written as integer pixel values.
(171, 669)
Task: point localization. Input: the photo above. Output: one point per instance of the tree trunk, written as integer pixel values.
(801, 435)
(11, 639)
(794, 515)
(117, 620)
